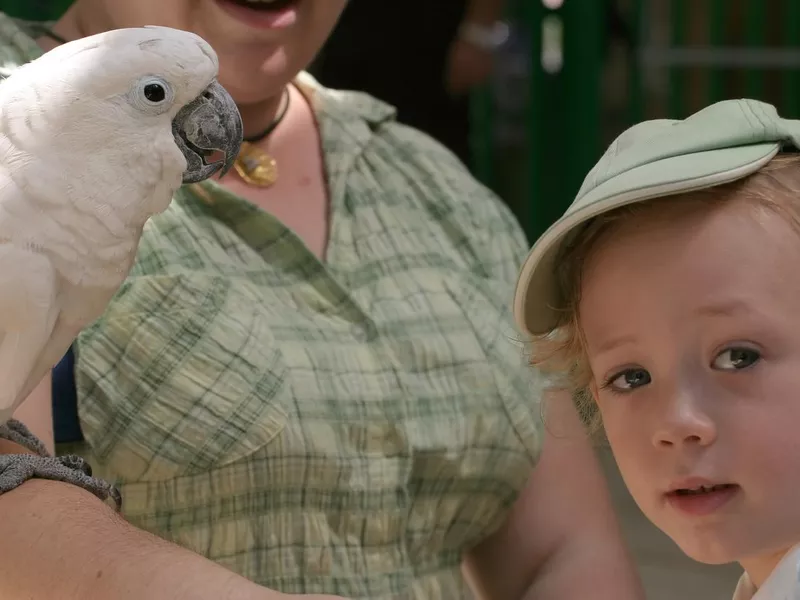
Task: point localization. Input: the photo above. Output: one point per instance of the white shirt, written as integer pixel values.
(782, 584)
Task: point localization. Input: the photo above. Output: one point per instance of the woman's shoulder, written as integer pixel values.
(367, 146)
(17, 41)
(367, 124)
(363, 132)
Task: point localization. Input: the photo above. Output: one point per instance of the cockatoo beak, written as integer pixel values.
(208, 125)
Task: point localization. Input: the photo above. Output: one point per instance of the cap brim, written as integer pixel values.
(536, 297)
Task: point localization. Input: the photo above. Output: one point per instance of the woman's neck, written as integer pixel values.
(71, 26)
(258, 116)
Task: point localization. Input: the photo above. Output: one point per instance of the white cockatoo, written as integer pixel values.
(95, 137)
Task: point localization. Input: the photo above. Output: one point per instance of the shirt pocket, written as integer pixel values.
(182, 374)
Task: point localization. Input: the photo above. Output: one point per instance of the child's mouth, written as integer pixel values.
(702, 499)
(701, 489)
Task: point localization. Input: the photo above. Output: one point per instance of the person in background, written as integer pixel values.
(308, 383)
(422, 57)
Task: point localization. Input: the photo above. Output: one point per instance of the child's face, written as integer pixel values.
(692, 323)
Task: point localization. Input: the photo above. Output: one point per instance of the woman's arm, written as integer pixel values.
(59, 541)
(561, 540)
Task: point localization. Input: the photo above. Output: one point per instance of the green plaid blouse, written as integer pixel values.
(351, 426)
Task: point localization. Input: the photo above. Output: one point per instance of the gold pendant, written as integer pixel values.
(255, 166)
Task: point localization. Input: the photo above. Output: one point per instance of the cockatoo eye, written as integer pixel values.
(155, 92)
(152, 94)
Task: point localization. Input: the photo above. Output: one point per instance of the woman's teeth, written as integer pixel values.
(265, 4)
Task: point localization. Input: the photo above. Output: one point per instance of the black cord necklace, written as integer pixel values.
(285, 98)
(53, 35)
(255, 165)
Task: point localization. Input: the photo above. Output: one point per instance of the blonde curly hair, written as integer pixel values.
(561, 352)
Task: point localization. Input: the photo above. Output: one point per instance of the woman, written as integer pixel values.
(308, 377)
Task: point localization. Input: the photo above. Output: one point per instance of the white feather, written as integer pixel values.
(83, 165)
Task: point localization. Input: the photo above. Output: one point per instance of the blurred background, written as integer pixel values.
(569, 77)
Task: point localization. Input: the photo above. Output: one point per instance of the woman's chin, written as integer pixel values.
(250, 81)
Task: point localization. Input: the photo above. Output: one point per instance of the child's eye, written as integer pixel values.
(734, 359)
(628, 380)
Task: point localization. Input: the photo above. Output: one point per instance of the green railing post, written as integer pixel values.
(716, 78)
(482, 143)
(636, 101)
(532, 13)
(564, 120)
(582, 102)
(791, 77)
(679, 21)
(755, 33)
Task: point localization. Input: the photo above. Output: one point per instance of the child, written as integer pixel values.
(668, 298)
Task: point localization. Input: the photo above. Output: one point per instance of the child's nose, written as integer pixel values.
(684, 421)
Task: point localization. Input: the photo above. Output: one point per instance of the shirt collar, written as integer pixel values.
(745, 590)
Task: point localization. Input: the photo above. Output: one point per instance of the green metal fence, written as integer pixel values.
(563, 117)
(565, 109)
(684, 54)
(719, 49)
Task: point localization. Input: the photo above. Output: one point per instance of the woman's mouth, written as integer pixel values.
(264, 5)
(264, 14)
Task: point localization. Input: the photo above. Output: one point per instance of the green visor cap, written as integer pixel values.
(722, 143)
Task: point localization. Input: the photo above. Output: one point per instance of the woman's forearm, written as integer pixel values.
(58, 541)
(594, 566)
